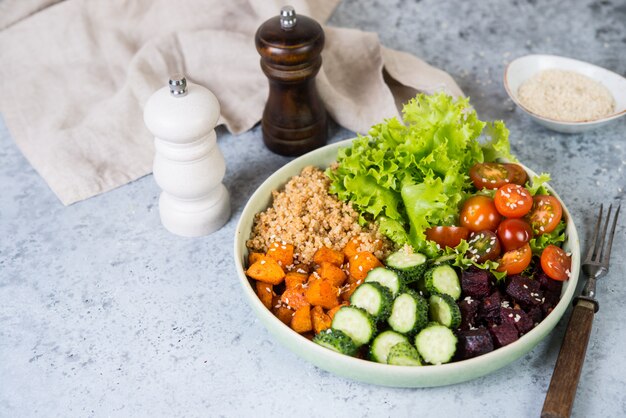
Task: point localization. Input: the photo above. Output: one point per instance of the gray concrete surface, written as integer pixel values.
(104, 313)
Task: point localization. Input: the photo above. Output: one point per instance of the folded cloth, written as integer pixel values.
(75, 75)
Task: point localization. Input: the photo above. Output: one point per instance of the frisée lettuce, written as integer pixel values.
(413, 175)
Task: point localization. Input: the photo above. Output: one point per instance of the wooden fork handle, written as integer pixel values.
(562, 390)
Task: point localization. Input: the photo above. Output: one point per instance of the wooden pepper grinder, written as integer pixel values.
(294, 119)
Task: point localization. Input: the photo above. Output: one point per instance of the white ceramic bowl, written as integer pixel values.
(367, 371)
(521, 69)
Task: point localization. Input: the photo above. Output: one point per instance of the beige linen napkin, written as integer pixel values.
(75, 75)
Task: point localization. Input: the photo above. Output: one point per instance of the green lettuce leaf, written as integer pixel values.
(456, 257)
(537, 185)
(556, 237)
(410, 175)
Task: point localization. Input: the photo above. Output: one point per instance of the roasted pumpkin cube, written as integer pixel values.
(321, 321)
(328, 255)
(333, 273)
(352, 248)
(294, 297)
(322, 293)
(266, 270)
(283, 313)
(265, 292)
(348, 290)
(292, 279)
(361, 263)
(355, 245)
(301, 320)
(254, 257)
(282, 253)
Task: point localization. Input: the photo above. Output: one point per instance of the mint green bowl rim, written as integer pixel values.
(368, 371)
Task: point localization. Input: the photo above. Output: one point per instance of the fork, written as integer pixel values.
(562, 390)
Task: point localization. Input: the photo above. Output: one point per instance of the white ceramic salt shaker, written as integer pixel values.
(188, 164)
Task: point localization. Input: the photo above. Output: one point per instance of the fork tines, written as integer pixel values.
(597, 253)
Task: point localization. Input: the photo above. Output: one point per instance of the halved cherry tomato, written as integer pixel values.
(490, 175)
(556, 263)
(545, 214)
(513, 200)
(447, 236)
(515, 261)
(483, 246)
(518, 174)
(478, 213)
(513, 233)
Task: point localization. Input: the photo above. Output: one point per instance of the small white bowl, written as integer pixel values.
(521, 69)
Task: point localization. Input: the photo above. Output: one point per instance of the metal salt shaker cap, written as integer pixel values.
(287, 17)
(178, 85)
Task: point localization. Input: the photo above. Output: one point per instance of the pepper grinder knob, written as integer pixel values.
(287, 17)
(294, 120)
(178, 85)
(188, 164)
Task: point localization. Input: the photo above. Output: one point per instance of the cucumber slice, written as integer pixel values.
(443, 280)
(374, 298)
(436, 344)
(410, 266)
(385, 277)
(336, 340)
(409, 313)
(444, 310)
(403, 354)
(356, 323)
(383, 342)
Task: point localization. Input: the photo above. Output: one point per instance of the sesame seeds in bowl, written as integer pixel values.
(564, 94)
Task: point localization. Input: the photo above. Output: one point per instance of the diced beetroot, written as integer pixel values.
(551, 298)
(524, 290)
(475, 283)
(507, 315)
(474, 342)
(489, 309)
(525, 323)
(518, 318)
(536, 314)
(503, 334)
(546, 308)
(548, 284)
(468, 308)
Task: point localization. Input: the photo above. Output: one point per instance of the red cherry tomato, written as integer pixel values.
(556, 263)
(513, 233)
(490, 175)
(447, 236)
(515, 261)
(518, 175)
(478, 213)
(545, 214)
(483, 246)
(513, 200)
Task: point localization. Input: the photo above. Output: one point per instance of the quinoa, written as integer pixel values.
(566, 96)
(307, 216)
